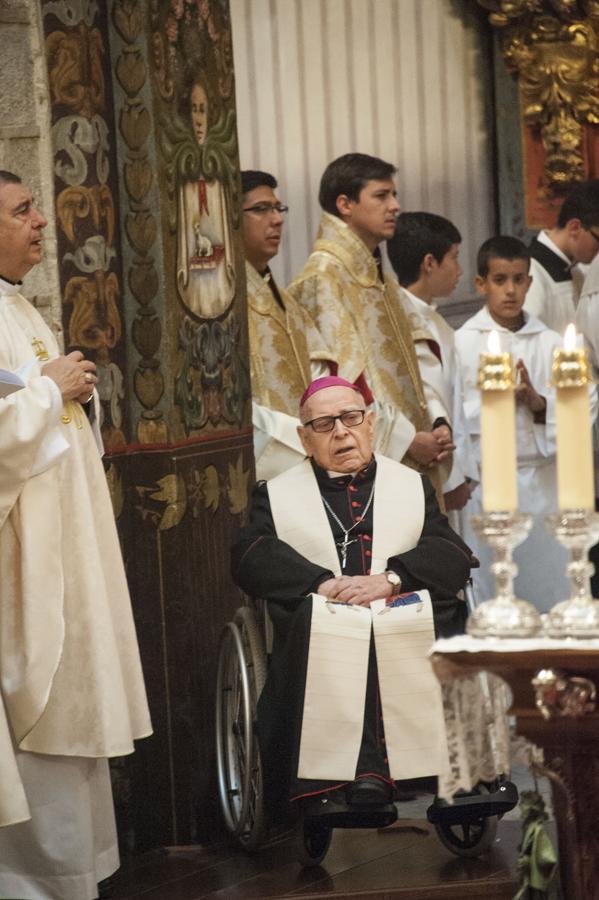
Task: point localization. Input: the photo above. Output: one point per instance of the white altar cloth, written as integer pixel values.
(475, 707)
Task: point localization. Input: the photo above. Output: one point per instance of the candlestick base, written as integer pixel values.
(578, 616)
(505, 615)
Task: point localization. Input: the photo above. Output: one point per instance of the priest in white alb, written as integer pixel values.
(350, 704)
(71, 686)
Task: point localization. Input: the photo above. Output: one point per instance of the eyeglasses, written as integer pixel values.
(265, 209)
(596, 236)
(350, 419)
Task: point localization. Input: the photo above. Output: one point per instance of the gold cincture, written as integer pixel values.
(72, 412)
(39, 349)
(554, 50)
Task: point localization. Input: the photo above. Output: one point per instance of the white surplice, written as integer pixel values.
(70, 675)
(541, 559)
(553, 302)
(442, 382)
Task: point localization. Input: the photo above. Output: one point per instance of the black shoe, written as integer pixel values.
(369, 792)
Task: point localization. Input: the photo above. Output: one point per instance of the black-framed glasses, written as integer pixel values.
(596, 236)
(350, 418)
(267, 209)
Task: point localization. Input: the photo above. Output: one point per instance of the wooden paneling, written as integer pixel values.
(176, 549)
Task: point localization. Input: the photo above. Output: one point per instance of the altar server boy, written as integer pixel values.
(503, 280)
(424, 253)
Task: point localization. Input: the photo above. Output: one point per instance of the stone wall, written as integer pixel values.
(25, 136)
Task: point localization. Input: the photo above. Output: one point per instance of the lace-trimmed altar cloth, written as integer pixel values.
(475, 706)
(478, 736)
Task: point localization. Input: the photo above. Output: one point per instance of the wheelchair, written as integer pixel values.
(466, 827)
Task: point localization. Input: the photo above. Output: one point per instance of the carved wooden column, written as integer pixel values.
(546, 127)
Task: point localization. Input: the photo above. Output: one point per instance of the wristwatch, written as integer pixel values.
(395, 582)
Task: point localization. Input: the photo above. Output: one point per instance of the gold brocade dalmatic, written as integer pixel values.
(282, 344)
(362, 319)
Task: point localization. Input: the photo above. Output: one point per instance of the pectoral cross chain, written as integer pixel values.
(345, 543)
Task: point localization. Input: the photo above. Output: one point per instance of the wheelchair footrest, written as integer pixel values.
(374, 817)
(472, 806)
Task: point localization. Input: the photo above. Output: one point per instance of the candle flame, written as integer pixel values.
(570, 337)
(493, 344)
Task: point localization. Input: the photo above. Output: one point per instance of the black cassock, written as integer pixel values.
(264, 566)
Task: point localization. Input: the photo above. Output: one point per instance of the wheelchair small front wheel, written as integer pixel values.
(471, 837)
(312, 842)
(468, 838)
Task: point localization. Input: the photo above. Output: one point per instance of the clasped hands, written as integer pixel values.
(359, 590)
(74, 375)
(431, 447)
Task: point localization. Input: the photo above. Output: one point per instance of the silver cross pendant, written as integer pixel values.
(343, 545)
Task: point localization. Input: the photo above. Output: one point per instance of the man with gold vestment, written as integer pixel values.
(358, 309)
(286, 350)
(71, 687)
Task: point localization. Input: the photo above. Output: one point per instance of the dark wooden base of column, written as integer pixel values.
(180, 508)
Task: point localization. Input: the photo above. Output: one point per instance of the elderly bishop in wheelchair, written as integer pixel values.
(360, 570)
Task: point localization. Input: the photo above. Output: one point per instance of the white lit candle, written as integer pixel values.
(497, 428)
(571, 376)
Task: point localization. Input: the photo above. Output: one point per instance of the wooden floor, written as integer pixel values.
(402, 862)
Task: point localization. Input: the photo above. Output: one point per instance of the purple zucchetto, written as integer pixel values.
(326, 381)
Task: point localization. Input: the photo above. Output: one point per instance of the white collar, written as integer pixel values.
(483, 321)
(421, 304)
(8, 289)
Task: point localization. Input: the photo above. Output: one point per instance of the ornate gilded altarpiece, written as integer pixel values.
(547, 100)
(147, 208)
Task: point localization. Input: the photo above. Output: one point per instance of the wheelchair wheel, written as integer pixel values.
(253, 642)
(240, 679)
(252, 836)
(472, 837)
(312, 841)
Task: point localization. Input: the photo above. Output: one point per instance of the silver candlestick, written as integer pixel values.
(505, 615)
(578, 616)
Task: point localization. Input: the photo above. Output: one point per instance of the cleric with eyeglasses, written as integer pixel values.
(365, 504)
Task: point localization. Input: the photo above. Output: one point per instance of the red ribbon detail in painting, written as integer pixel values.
(203, 197)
